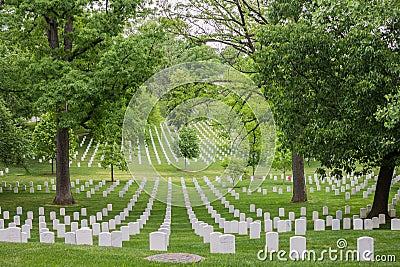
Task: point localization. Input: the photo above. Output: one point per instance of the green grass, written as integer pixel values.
(182, 239)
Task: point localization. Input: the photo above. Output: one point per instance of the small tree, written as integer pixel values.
(188, 144)
(113, 156)
(44, 138)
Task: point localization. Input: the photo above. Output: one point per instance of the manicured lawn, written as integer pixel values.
(182, 239)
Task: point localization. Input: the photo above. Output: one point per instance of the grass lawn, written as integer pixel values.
(182, 238)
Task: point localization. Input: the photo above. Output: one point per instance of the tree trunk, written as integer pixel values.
(63, 192)
(381, 197)
(112, 173)
(63, 187)
(299, 182)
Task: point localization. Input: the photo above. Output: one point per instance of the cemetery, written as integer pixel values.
(201, 133)
(200, 215)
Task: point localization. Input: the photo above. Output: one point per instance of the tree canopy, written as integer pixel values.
(328, 74)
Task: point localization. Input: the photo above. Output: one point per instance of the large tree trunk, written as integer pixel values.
(63, 187)
(381, 197)
(299, 182)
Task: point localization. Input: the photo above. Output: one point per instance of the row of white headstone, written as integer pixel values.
(84, 235)
(238, 227)
(162, 145)
(159, 240)
(162, 125)
(210, 151)
(285, 225)
(219, 243)
(154, 146)
(298, 247)
(212, 136)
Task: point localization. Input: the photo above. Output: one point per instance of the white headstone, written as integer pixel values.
(84, 223)
(363, 213)
(61, 230)
(134, 228)
(83, 212)
(70, 238)
(259, 212)
(339, 215)
(214, 242)
(365, 248)
(17, 220)
(26, 228)
(281, 226)
(104, 239)
(227, 244)
(395, 224)
(335, 224)
(272, 242)
(76, 216)
(252, 208)
(207, 231)
(303, 211)
(300, 227)
(329, 220)
(382, 219)
(75, 226)
(158, 241)
(47, 237)
(116, 239)
(324, 210)
(84, 236)
(357, 224)
(319, 225)
(67, 220)
(243, 228)
(375, 222)
(315, 215)
(255, 230)
(104, 227)
(268, 225)
(19, 210)
(95, 228)
(297, 247)
(346, 224)
(125, 232)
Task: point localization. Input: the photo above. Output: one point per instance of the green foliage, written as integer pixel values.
(327, 74)
(44, 137)
(236, 167)
(390, 113)
(155, 116)
(14, 143)
(113, 156)
(188, 143)
(283, 155)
